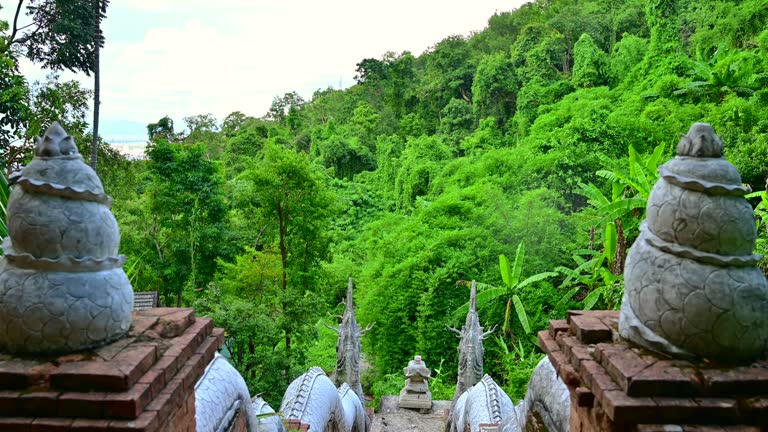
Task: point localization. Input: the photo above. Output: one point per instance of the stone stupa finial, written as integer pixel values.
(692, 287)
(62, 286)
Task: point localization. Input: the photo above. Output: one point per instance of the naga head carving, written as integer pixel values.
(471, 349)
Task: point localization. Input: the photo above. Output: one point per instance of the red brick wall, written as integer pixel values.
(182, 419)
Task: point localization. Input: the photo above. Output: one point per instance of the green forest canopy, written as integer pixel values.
(539, 131)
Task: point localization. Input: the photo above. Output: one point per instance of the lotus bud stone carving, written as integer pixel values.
(62, 287)
(692, 287)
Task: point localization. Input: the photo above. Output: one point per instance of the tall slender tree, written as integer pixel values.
(63, 34)
(99, 12)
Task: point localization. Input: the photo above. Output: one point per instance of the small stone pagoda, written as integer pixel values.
(687, 351)
(416, 392)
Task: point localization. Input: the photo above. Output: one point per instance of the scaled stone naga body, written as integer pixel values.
(692, 284)
(311, 399)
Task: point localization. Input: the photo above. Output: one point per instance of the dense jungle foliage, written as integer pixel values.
(536, 138)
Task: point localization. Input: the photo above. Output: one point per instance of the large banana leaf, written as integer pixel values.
(521, 315)
(517, 268)
(5, 192)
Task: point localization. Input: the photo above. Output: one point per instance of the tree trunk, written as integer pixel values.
(284, 263)
(96, 85)
(621, 249)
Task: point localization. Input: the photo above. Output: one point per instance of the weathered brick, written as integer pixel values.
(163, 404)
(718, 409)
(623, 365)
(15, 424)
(754, 410)
(188, 374)
(584, 397)
(589, 329)
(51, 425)
(574, 351)
(14, 374)
(663, 379)
(141, 323)
(557, 326)
(604, 349)
(9, 403)
(624, 409)
(558, 359)
(547, 343)
(171, 365)
(67, 358)
(609, 317)
(39, 404)
(108, 352)
(91, 375)
(90, 425)
(129, 404)
(40, 375)
(676, 410)
(135, 360)
(87, 405)
(740, 381)
(146, 422)
(159, 311)
(220, 336)
(174, 324)
(175, 392)
(155, 378)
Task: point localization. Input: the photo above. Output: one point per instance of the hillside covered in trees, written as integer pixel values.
(537, 139)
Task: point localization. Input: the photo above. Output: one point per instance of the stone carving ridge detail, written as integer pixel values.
(484, 403)
(219, 394)
(62, 288)
(702, 185)
(547, 395)
(697, 255)
(313, 400)
(353, 411)
(32, 185)
(268, 419)
(691, 284)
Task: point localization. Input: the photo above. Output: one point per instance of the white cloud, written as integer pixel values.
(232, 55)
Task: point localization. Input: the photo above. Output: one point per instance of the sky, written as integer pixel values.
(188, 57)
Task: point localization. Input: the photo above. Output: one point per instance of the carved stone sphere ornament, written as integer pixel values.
(692, 287)
(62, 286)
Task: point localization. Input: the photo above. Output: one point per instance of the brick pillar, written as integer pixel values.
(615, 386)
(143, 382)
(293, 425)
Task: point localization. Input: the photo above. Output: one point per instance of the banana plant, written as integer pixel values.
(761, 220)
(630, 188)
(613, 215)
(5, 192)
(511, 275)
